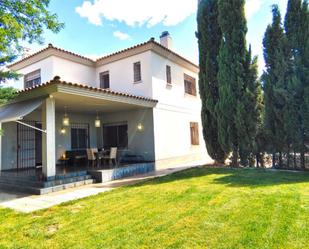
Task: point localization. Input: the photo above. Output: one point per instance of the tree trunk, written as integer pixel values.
(274, 160)
(295, 162)
(302, 160)
(280, 160)
(235, 157)
(262, 160)
(257, 160)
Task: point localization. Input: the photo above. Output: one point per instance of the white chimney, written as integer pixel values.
(26, 52)
(166, 40)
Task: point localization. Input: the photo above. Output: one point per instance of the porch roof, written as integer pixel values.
(77, 97)
(57, 82)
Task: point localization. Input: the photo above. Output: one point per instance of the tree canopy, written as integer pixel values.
(22, 21)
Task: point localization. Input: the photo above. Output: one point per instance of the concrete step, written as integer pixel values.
(18, 188)
(20, 181)
(41, 190)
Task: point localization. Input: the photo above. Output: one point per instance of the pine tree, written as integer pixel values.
(231, 110)
(209, 37)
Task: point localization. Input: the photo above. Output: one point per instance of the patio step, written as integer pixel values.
(21, 181)
(20, 184)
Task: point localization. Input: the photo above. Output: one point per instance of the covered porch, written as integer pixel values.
(50, 130)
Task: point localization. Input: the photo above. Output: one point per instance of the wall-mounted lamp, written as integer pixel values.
(63, 131)
(140, 127)
(97, 122)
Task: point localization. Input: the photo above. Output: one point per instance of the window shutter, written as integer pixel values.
(194, 133)
(32, 79)
(137, 71)
(190, 85)
(168, 74)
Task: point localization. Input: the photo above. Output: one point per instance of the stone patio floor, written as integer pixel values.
(26, 203)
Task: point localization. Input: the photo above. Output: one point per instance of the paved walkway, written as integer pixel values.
(27, 204)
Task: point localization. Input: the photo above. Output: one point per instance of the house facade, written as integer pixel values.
(144, 100)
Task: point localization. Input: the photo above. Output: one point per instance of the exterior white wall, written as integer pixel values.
(55, 66)
(122, 77)
(46, 67)
(73, 72)
(174, 112)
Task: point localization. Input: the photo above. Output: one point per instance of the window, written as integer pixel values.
(194, 133)
(79, 136)
(32, 79)
(137, 71)
(104, 80)
(168, 74)
(190, 85)
(115, 135)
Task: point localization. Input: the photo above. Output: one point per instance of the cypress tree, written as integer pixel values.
(297, 32)
(209, 38)
(274, 78)
(231, 110)
(250, 106)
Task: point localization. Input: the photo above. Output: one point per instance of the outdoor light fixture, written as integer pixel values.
(97, 122)
(63, 131)
(140, 126)
(65, 120)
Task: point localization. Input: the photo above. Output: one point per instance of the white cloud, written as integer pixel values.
(137, 12)
(120, 35)
(252, 7)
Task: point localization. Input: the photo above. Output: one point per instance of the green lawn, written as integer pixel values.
(198, 208)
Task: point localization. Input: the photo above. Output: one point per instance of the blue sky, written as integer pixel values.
(98, 27)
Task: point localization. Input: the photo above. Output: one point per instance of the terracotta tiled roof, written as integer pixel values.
(124, 50)
(50, 46)
(57, 80)
(152, 40)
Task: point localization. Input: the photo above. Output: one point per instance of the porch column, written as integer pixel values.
(0, 147)
(48, 138)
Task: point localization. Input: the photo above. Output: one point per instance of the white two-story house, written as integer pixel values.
(143, 100)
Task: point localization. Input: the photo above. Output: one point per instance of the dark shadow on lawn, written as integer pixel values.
(234, 177)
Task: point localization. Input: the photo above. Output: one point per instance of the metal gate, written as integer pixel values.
(29, 145)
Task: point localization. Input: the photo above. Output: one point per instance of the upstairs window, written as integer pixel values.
(32, 79)
(168, 74)
(137, 71)
(104, 80)
(194, 133)
(190, 85)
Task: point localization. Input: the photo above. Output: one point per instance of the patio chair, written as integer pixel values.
(112, 157)
(91, 157)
